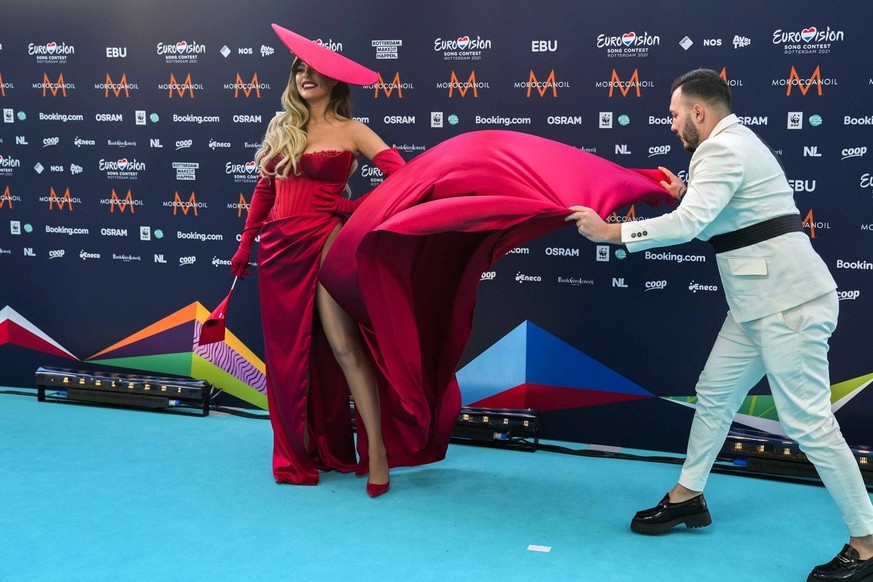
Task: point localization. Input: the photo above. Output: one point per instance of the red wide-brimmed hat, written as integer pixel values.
(324, 60)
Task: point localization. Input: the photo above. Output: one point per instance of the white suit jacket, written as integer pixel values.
(735, 181)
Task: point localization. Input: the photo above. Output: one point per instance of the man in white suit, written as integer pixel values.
(783, 309)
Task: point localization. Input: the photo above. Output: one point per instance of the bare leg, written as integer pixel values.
(347, 344)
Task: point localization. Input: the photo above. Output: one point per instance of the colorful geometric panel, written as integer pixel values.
(531, 368)
(759, 411)
(16, 330)
(170, 346)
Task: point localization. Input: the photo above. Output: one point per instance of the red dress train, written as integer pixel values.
(407, 263)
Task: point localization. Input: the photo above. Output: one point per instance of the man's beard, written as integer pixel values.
(690, 136)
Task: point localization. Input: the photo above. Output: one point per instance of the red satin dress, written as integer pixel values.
(407, 264)
(306, 389)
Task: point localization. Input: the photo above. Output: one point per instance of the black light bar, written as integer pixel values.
(766, 455)
(498, 427)
(126, 390)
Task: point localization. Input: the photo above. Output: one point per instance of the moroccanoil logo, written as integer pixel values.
(247, 88)
(542, 87)
(241, 205)
(389, 87)
(55, 87)
(122, 203)
(463, 86)
(65, 200)
(631, 216)
(6, 197)
(185, 205)
(122, 86)
(810, 222)
(796, 80)
(616, 82)
(186, 86)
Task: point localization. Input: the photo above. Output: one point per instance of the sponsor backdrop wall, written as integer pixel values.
(129, 130)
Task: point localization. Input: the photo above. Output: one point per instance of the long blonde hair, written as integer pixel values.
(286, 136)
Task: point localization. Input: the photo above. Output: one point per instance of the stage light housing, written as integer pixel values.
(123, 390)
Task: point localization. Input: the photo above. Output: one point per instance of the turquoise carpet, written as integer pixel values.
(91, 494)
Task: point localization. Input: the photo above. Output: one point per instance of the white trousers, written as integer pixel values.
(791, 349)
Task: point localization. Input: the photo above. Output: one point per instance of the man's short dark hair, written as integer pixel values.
(704, 85)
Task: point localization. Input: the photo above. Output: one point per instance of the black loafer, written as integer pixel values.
(845, 567)
(665, 516)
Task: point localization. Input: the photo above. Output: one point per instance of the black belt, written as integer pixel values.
(756, 233)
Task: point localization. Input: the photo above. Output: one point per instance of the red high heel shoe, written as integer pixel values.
(374, 490)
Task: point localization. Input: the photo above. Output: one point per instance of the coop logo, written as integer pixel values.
(388, 89)
(122, 86)
(7, 164)
(183, 261)
(253, 86)
(51, 53)
(488, 276)
(548, 85)
(57, 254)
(629, 44)
(4, 85)
(122, 168)
(465, 86)
(122, 205)
(661, 150)
(633, 83)
(462, 48)
(8, 198)
(853, 152)
(241, 205)
(181, 52)
(810, 40)
(848, 295)
(186, 86)
(55, 87)
(804, 85)
(656, 285)
(184, 206)
(809, 222)
(246, 173)
(60, 202)
(521, 278)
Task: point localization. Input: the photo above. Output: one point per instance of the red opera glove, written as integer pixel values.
(389, 161)
(327, 201)
(262, 201)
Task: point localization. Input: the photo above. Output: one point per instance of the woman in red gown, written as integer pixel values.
(314, 350)
(405, 267)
